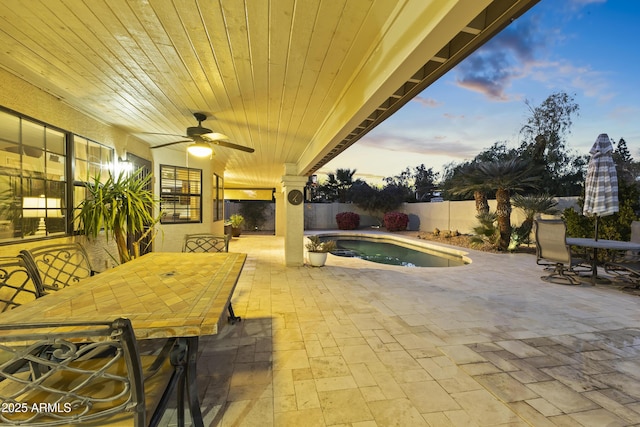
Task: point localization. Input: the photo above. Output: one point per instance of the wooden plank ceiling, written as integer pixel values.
(297, 80)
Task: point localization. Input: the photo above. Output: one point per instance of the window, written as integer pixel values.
(33, 185)
(180, 194)
(91, 159)
(218, 198)
(36, 192)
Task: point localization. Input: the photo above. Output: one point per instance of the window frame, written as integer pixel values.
(176, 199)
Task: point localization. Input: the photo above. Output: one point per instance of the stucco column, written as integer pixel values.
(293, 221)
(281, 219)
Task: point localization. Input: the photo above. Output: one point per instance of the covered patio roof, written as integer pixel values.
(298, 81)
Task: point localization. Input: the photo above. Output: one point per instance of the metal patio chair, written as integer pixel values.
(56, 266)
(49, 379)
(210, 243)
(553, 252)
(626, 268)
(16, 283)
(205, 243)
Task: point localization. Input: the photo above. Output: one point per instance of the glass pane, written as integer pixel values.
(55, 141)
(9, 152)
(55, 167)
(80, 148)
(33, 164)
(81, 171)
(32, 134)
(94, 152)
(9, 127)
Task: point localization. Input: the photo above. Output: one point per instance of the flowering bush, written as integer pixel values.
(396, 221)
(348, 220)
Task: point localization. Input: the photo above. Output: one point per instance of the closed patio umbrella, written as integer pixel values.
(601, 185)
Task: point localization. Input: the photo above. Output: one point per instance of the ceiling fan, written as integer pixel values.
(202, 138)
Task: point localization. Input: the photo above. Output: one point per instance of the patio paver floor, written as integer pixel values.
(363, 344)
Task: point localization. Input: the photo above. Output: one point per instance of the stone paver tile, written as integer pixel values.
(344, 406)
(306, 417)
(284, 403)
(250, 413)
(520, 348)
(544, 407)
(396, 412)
(398, 361)
(306, 394)
(574, 378)
(459, 382)
(562, 396)
(530, 415)
(372, 393)
(485, 409)
(359, 354)
(481, 368)
(290, 359)
(283, 383)
(613, 406)
(411, 375)
(437, 419)
(620, 382)
(335, 383)
(564, 421)
(388, 385)
(362, 375)
(436, 370)
(461, 418)
(505, 387)
(385, 336)
(462, 354)
(598, 418)
(329, 366)
(429, 396)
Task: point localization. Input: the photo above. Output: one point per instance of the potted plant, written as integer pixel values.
(317, 250)
(122, 207)
(236, 222)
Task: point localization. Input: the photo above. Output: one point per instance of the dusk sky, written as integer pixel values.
(586, 48)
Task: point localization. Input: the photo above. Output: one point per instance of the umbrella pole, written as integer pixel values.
(597, 226)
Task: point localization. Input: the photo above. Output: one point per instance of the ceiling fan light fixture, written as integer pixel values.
(200, 149)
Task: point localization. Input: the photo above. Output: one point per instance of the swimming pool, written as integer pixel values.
(393, 251)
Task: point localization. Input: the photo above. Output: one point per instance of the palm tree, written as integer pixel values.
(345, 181)
(503, 177)
(532, 205)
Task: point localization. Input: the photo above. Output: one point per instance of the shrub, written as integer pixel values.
(348, 220)
(396, 221)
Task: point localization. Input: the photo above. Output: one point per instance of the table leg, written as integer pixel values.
(191, 383)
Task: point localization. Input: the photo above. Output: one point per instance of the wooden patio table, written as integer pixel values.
(616, 245)
(165, 295)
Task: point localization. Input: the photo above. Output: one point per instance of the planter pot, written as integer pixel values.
(317, 259)
(235, 231)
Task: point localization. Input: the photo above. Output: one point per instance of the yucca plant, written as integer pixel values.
(122, 207)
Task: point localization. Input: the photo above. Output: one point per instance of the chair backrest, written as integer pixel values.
(551, 244)
(56, 266)
(16, 283)
(205, 243)
(73, 373)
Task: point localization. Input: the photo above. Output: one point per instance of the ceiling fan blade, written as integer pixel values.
(227, 144)
(165, 134)
(214, 136)
(171, 143)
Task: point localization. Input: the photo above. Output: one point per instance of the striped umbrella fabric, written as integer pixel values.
(601, 185)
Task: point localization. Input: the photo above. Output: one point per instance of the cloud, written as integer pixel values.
(438, 145)
(427, 102)
(492, 68)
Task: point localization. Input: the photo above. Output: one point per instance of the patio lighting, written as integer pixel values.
(200, 149)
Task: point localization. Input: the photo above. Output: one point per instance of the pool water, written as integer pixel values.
(389, 253)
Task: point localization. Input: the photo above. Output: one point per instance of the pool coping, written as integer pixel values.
(410, 242)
